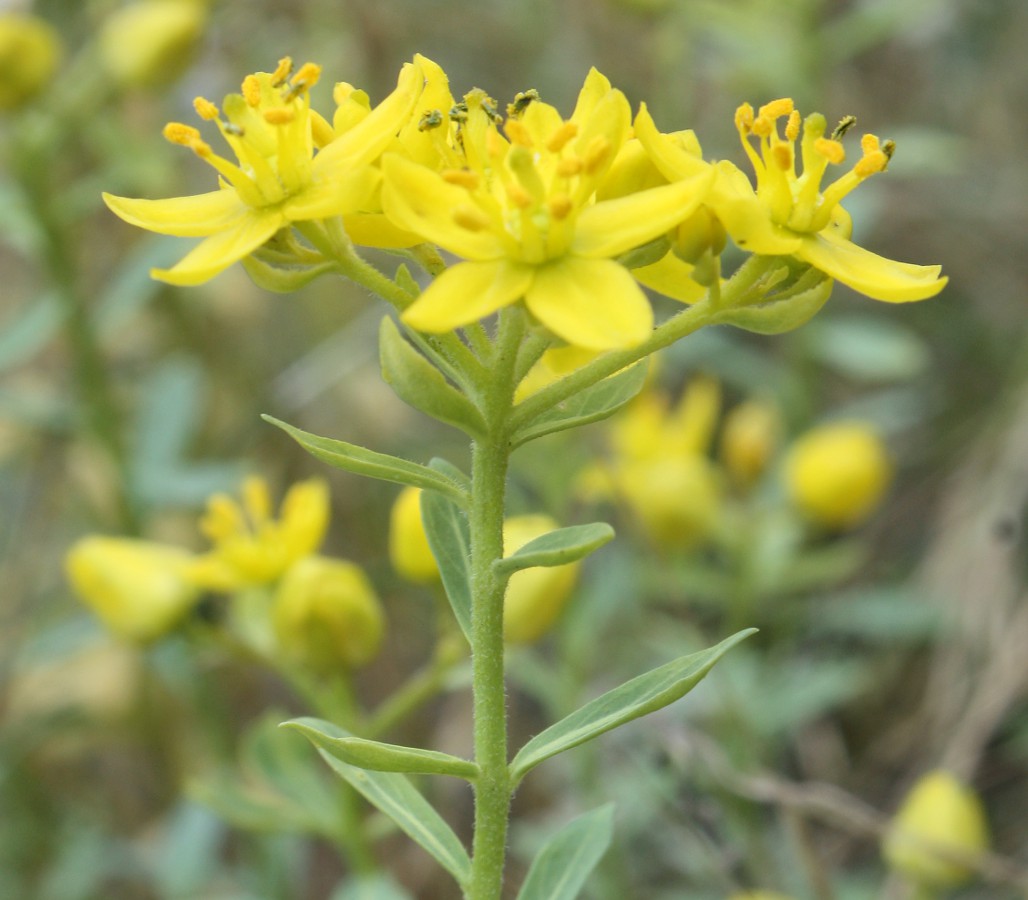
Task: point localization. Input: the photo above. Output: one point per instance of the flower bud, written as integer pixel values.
(938, 812)
(139, 589)
(30, 50)
(837, 474)
(698, 235)
(326, 615)
(535, 597)
(677, 499)
(748, 440)
(408, 544)
(150, 43)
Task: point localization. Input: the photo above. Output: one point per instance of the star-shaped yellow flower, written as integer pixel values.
(790, 213)
(277, 178)
(522, 212)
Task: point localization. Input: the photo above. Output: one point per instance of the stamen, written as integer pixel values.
(471, 218)
(869, 144)
(521, 102)
(845, 124)
(518, 195)
(560, 206)
(280, 115)
(184, 135)
(596, 154)
(763, 126)
(569, 167)
(282, 71)
(831, 150)
(782, 155)
(792, 127)
(558, 140)
(205, 109)
(873, 162)
(464, 178)
(432, 119)
(744, 118)
(518, 133)
(252, 91)
(306, 77)
(234, 129)
(776, 109)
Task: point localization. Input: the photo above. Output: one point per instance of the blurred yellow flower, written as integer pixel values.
(838, 473)
(140, 590)
(279, 179)
(749, 439)
(250, 545)
(535, 597)
(939, 811)
(521, 210)
(326, 615)
(790, 214)
(149, 43)
(408, 546)
(30, 51)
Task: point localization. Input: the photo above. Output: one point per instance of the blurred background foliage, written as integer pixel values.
(124, 403)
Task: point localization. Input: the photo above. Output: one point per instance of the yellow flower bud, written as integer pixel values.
(677, 499)
(30, 50)
(408, 545)
(837, 474)
(535, 597)
(749, 440)
(701, 233)
(139, 589)
(150, 43)
(939, 811)
(326, 615)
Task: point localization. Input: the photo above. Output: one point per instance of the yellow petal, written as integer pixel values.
(745, 218)
(592, 303)
(671, 277)
(467, 292)
(375, 230)
(218, 252)
(595, 88)
(350, 192)
(196, 216)
(670, 155)
(419, 200)
(614, 226)
(869, 273)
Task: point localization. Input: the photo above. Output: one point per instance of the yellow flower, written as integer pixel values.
(30, 51)
(408, 546)
(326, 615)
(837, 474)
(791, 214)
(250, 546)
(522, 212)
(748, 440)
(139, 589)
(535, 597)
(939, 811)
(278, 178)
(149, 43)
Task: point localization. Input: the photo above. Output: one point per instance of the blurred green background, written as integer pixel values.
(124, 403)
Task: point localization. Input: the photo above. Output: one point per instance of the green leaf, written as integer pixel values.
(557, 548)
(421, 385)
(635, 698)
(395, 796)
(379, 757)
(778, 315)
(370, 464)
(449, 539)
(562, 865)
(378, 886)
(597, 402)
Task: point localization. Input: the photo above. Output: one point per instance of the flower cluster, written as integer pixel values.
(568, 216)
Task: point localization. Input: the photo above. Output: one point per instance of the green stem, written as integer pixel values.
(489, 461)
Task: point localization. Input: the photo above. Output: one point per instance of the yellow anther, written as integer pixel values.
(252, 91)
(518, 133)
(569, 167)
(869, 144)
(205, 109)
(519, 196)
(177, 133)
(558, 140)
(464, 178)
(560, 206)
(280, 115)
(282, 71)
(782, 155)
(306, 77)
(744, 118)
(596, 154)
(792, 127)
(762, 126)
(777, 108)
(833, 151)
(341, 92)
(875, 161)
(471, 218)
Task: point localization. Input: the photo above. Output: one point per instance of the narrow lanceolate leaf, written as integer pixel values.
(421, 385)
(395, 796)
(557, 548)
(380, 757)
(370, 464)
(779, 315)
(597, 402)
(565, 860)
(633, 699)
(449, 538)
